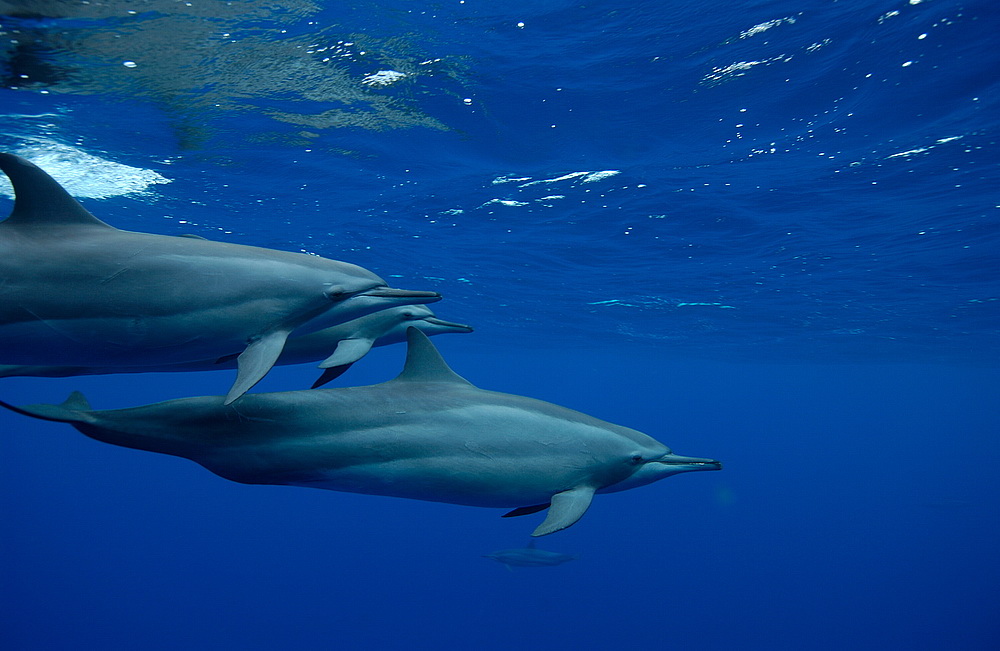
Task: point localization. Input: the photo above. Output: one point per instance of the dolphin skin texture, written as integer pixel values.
(348, 342)
(428, 434)
(76, 291)
(529, 556)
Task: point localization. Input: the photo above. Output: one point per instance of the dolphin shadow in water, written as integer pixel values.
(529, 556)
(428, 434)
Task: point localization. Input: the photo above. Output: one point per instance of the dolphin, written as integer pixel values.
(355, 338)
(76, 291)
(529, 556)
(349, 342)
(428, 434)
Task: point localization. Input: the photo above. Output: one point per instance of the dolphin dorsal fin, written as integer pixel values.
(39, 199)
(76, 402)
(424, 363)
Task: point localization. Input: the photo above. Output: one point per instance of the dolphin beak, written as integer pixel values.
(682, 464)
(461, 327)
(413, 296)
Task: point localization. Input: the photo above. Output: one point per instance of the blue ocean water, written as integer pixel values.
(764, 233)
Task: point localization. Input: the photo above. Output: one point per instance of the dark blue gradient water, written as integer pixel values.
(767, 234)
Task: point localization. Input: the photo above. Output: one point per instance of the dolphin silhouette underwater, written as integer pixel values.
(529, 556)
(76, 291)
(428, 434)
(341, 345)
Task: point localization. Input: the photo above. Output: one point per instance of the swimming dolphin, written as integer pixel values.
(529, 556)
(76, 291)
(355, 338)
(349, 342)
(428, 434)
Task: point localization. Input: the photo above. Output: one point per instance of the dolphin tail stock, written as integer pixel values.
(116, 427)
(12, 370)
(75, 409)
(566, 508)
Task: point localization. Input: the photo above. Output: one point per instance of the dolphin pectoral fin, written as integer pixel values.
(329, 374)
(566, 508)
(525, 510)
(348, 351)
(254, 362)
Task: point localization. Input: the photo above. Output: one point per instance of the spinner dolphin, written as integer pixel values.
(76, 291)
(428, 434)
(348, 342)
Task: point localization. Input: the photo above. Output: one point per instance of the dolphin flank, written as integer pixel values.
(75, 291)
(428, 434)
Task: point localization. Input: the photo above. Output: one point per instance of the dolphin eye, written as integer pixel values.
(636, 458)
(335, 292)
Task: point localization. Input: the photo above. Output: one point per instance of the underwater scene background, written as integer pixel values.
(765, 233)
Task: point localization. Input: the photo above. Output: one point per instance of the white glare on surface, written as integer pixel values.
(85, 175)
(383, 78)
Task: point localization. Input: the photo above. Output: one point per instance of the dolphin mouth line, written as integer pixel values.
(701, 465)
(447, 324)
(392, 292)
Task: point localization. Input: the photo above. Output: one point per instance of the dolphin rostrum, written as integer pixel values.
(349, 342)
(76, 291)
(428, 434)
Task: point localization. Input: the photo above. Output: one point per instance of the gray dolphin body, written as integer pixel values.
(76, 291)
(529, 556)
(348, 342)
(427, 434)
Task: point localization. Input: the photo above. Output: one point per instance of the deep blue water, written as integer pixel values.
(767, 234)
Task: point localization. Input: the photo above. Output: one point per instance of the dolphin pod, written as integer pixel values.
(428, 434)
(80, 297)
(77, 291)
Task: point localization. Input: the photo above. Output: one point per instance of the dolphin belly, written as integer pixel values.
(453, 483)
(106, 342)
